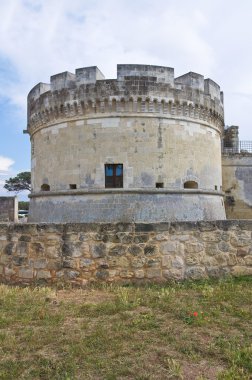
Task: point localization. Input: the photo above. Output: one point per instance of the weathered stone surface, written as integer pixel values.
(98, 250)
(139, 273)
(43, 274)
(138, 262)
(8, 209)
(37, 247)
(211, 236)
(153, 263)
(241, 271)
(241, 240)
(211, 249)
(118, 250)
(169, 246)
(124, 238)
(86, 263)
(112, 273)
(248, 260)
(150, 250)
(120, 262)
(126, 274)
(141, 238)
(135, 250)
(10, 248)
(54, 265)
(173, 274)
(222, 258)
(193, 258)
(22, 248)
(167, 261)
(193, 247)
(25, 273)
(153, 273)
(72, 260)
(195, 273)
(26, 238)
(242, 252)
(178, 262)
(70, 263)
(9, 271)
(161, 237)
(39, 263)
(237, 178)
(19, 260)
(224, 247)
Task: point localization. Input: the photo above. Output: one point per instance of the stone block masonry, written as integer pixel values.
(87, 253)
(163, 132)
(8, 209)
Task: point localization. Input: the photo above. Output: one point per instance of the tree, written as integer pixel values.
(23, 205)
(19, 183)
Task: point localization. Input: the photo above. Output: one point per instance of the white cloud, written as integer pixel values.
(43, 38)
(5, 164)
(5, 172)
(39, 38)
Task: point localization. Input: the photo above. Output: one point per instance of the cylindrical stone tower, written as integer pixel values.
(144, 147)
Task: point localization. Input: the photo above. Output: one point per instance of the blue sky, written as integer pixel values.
(39, 38)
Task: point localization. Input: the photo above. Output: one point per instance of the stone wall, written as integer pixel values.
(85, 253)
(131, 206)
(8, 209)
(237, 185)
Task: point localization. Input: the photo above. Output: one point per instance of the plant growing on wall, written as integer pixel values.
(21, 182)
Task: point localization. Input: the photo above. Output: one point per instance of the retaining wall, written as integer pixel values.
(84, 253)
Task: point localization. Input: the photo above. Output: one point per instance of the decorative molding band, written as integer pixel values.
(125, 191)
(124, 107)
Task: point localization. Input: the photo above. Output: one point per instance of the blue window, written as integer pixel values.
(113, 175)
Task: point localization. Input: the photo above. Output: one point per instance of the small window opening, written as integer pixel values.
(45, 187)
(159, 185)
(113, 175)
(190, 185)
(215, 187)
(72, 186)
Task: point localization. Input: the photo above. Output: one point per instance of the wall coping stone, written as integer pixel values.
(133, 227)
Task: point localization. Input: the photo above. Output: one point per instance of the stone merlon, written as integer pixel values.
(88, 89)
(147, 75)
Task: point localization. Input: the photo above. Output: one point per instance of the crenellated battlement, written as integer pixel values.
(138, 89)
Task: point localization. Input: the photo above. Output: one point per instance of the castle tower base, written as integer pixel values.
(140, 206)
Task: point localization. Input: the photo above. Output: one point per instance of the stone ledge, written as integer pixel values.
(52, 193)
(126, 227)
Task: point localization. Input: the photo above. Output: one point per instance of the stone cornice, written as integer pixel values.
(125, 191)
(133, 107)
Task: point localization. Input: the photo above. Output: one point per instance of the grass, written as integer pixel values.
(191, 330)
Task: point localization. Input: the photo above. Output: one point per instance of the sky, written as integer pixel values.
(40, 38)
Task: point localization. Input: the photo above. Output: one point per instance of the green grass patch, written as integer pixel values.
(191, 330)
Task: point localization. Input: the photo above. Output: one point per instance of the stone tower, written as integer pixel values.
(145, 147)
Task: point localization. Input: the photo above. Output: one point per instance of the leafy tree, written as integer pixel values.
(23, 205)
(19, 183)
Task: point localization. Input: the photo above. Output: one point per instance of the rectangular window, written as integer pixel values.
(113, 175)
